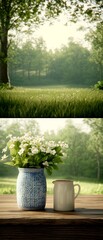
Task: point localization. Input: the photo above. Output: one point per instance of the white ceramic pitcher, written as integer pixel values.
(64, 195)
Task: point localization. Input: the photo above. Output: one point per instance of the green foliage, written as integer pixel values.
(95, 144)
(7, 185)
(57, 102)
(7, 171)
(28, 152)
(84, 157)
(76, 161)
(7, 86)
(96, 39)
(71, 64)
(30, 10)
(99, 85)
(13, 14)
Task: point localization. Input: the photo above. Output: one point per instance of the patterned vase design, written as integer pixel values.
(31, 189)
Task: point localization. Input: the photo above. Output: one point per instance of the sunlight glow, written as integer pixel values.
(56, 33)
(51, 124)
(46, 124)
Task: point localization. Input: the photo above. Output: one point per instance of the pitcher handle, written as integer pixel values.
(79, 188)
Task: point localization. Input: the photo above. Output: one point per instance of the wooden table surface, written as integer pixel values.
(85, 222)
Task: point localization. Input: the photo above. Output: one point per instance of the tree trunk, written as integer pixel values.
(4, 56)
(98, 162)
(29, 70)
(101, 69)
(98, 169)
(0, 72)
(0, 56)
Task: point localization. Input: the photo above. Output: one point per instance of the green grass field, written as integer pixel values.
(53, 102)
(8, 186)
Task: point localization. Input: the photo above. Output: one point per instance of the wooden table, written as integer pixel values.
(86, 222)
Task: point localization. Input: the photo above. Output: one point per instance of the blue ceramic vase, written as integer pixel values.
(31, 189)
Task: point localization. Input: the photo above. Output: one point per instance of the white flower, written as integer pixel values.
(53, 152)
(4, 157)
(62, 144)
(21, 151)
(4, 150)
(51, 144)
(34, 150)
(30, 146)
(48, 150)
(23, 145)
(42, 149)
(12, 146)
(45, 164)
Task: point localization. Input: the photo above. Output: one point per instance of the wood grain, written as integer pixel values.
(85, 222)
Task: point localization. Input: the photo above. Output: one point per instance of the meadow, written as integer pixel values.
(51, 102)
(8, 186)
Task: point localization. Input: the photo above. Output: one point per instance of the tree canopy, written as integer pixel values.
(13, 12)
(96, 39)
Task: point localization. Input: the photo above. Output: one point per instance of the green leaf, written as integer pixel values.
(9, 163)
(55, 167)
(49, 171)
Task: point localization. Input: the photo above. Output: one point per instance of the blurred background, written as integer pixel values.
(83, 161)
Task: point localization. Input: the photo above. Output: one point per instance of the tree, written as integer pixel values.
(26, 53)
(76, 162)
(40, 62)
(29, 62)
(84, 156)
(76, 157)
(13, 12)
(95, 143)
(71, 65)
(96, 39)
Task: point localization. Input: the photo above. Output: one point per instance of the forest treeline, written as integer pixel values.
(84, 156)
(35, 66)
(73, 65)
